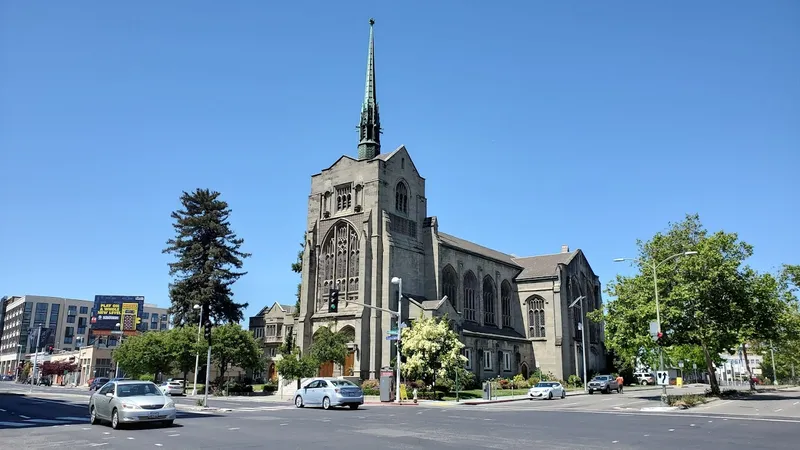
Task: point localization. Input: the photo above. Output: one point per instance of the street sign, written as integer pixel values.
(391, 337)
(654, 330)
(662, 378)
(680, 364)
(694, 366)
(391, 332)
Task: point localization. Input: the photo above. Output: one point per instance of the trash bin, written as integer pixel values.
(487, 390)
(387, 384)
(679, 381)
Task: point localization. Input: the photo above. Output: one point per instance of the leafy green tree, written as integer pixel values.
(432, 350)
(329, 346)
(208, 257)
(786, 345)
(702, 297)
(297, 366)
(297, 267)
(184, 345)
(230, 344)
(145, 354)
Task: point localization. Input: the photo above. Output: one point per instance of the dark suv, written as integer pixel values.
(97, 383)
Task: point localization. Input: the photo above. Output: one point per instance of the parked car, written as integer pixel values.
(644, 378)
(329, 392)
(548, 390)
(604, 384)
(172, 388)
(122, 402)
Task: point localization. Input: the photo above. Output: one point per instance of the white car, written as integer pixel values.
(548, 390)
(172, 388)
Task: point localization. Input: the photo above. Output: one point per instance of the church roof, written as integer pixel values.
(471, 247)
(543, 265)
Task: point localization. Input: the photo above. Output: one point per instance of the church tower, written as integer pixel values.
(369, 129)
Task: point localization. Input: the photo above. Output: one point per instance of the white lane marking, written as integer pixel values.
(671, 430)
(106, 432)
(646, 435)
(614, 442)
(174, 435)
(779, 410)
(710, 421)
(98, 445)
(236, 428)
(24, 417)
(159, 445)
(73, 418)
(45, 421)
(15, 424)
(85, 428)
(130, 438)
(284, 424)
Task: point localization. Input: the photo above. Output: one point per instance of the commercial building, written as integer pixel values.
(65, 326)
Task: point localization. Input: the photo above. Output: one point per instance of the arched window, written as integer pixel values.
(450, 285)
(470, 305)
(488, 301)
(339, 264)
(401, 197)
(505, 302)
(536, 317)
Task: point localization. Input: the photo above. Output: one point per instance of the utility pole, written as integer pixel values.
(399, 282)
(35, 356)
(197, 356)
(774, 373)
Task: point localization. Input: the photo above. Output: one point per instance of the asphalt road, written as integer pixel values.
(33, 422)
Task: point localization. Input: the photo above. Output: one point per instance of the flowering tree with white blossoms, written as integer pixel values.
(432, 350)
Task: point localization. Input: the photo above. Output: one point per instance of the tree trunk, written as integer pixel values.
(712, 375)
(747, 367)
(185, 372)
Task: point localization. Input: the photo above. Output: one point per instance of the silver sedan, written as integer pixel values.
(123, 402)
(329, 392)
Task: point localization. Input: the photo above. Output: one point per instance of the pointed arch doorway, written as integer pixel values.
(523, 369)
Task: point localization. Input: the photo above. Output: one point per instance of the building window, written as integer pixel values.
(145, 315)
(468, 354)
(153, 325)
(339, 265)
(488, 301)
(401, 198)
(470, 306)
(507, 361)
(344, 197)
(41, 314)
(84, 310)
(536, 317)
(487, 360)
(271, 330)
(54, 310)
(450, 285)
(163, 325)
(505, 303)
(70, 319)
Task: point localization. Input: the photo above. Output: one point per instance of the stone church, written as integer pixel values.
(368, 221)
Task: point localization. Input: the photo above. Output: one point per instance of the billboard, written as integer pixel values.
(110, 310)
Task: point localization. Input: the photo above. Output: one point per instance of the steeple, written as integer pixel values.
(369, 144)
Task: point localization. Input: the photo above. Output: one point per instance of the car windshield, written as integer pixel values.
(540, 385)
(342, 383)
(137, 389)
(601, 378)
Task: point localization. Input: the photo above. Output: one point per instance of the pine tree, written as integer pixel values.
(208, 258)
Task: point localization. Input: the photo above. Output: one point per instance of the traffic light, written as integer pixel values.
(333, 302)
(660, 338)
(207, 326)
(50, 350)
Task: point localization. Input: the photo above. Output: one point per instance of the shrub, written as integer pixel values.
(574, 381)
(533, 380)
(686, 401)
(146, 378)
(269, 388)
(520, 382)
(503, 383)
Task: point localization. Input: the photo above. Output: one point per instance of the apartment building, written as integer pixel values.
(66, 320)
(270, 327)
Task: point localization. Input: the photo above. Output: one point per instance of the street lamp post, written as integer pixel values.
(655, 267)
(579, 301)
(399, 282)
(197, 356)
(17, 372)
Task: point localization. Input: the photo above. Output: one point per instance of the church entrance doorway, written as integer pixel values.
(271, 373)
(349, 361)
(326, 369)
(524, 370)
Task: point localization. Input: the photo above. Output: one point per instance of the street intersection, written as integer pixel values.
(50, 418)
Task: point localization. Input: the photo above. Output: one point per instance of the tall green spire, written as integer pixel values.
(369, 144)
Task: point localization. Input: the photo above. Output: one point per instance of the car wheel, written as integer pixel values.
(168, 423)
(644, 382)
(298, 401)
(326, 403)
(353, 406)
(550, 395)
(606, 390)
(563, 394)
(591, 392)
(93, 420)
(115, 419)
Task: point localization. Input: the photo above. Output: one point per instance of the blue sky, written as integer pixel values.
(536, 124)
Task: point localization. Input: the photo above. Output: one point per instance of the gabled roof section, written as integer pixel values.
(399, 150)
(543, 266)
(479, 250)
(344, 159)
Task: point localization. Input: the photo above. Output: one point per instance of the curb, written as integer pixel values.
(489, 402)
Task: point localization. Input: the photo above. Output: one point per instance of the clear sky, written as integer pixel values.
(535, 123)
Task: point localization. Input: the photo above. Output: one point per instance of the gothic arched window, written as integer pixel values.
(450, 285)
(505, 302)
(536, 317)
(401, 197)
(470, 305)
(488, 301)
(339, 264)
